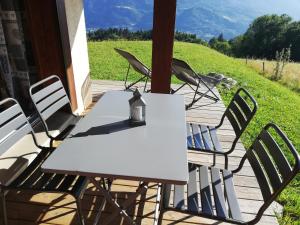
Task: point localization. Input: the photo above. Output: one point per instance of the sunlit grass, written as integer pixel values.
(291, 72)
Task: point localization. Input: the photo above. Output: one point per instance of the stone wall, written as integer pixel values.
(17, 67)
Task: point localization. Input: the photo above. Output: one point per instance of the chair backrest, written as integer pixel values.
(240, 112)
(136, 64)
(268, 157)
(49, 96)
(184, 72)
(13, 124)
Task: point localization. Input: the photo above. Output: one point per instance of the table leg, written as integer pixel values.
(163, 203)
(121, 209)
(101, 208)
(157, 204)
(166, 192)
(143, 187)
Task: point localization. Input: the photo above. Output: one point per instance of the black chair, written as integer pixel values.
(53, 107)
(273, 171)
(21, 170)
(138, 66)
(189, 77)
(204, 138)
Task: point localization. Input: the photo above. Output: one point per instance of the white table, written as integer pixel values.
(103, 144)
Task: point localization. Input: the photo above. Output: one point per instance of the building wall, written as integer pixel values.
(17, 67)
(79, 51)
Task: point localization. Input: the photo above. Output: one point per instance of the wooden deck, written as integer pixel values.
(26, 208)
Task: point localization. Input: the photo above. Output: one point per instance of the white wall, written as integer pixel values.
(79, 51)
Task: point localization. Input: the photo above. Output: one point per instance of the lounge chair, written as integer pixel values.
(53, 107)
(204, 138)
(138, 66)
(215, 187)
(21, 160)
(185, 73)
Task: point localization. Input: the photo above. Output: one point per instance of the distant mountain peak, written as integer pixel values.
(206, 18)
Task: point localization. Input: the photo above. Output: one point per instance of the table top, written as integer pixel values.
(103, 144)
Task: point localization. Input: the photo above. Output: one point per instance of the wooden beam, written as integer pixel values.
(48, 47)
(45, 38)
(162, 48)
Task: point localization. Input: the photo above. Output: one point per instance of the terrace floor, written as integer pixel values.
(30, 208)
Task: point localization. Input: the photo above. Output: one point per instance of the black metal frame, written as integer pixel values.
(40, 86)
(267, 200)
(238, 135)
(131, 59)
(45, 152)
(199, 80)
(286, 181)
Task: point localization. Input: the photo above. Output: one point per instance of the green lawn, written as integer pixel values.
(276, 103)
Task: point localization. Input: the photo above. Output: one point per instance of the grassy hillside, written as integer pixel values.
(290, 75)
(276, 103)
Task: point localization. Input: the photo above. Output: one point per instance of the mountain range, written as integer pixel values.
(206, 18)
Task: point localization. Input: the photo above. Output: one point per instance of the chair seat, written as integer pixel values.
(17, 158)
(209, 192)
(61, 123)
(185, 77)
(34, 179)
(203, 138)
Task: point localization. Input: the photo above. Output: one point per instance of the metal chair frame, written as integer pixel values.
(138, 66)
(238, 106)
(271, 168)
(198, 81)
(15, 126)
(48, 99)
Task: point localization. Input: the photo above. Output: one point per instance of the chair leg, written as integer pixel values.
(194, 98)
(226, 161)
(79, 211)
(174, 91)
(160, 218)
(126, 77)
(216, 98)
(214, 159)
(146, 84)
(134, 83)
(3, 220)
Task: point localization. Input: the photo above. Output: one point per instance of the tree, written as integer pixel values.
(220, 44)
(125, 33)
(223, 47)
(292, 39)
(221, 38)
(236, 46)
(212, 42)
(265, 36)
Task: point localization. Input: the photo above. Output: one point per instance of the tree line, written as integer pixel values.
(266, 37)
(124, 33)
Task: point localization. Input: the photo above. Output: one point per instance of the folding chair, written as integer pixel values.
(52, 104)
(268, 157)
(21, 160)
(240, 111)
(185, 73)
(138, 66)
